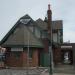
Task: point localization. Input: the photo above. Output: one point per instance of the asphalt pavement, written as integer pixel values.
(58, 70)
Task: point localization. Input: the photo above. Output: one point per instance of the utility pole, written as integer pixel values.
(49, 15)
(28, 55)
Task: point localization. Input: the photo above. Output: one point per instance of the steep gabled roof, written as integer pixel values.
(26, 17)
(41, 24)
(58, 24)
(20, 35)
(55, 24)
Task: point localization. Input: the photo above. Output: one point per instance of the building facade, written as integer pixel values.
(27, 42)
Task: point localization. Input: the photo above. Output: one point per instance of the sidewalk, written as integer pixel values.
(62, 70)
(57, 74)
(59, 70)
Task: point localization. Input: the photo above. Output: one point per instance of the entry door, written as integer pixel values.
(67, 57)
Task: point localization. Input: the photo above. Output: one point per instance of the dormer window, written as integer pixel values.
(24, 21)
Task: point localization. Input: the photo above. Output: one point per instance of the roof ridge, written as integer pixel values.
(39, 19)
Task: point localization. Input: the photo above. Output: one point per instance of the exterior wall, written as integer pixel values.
(24, 58)
(57, 56)
(55, 37)
(68, 47)
(44, 54)
(11, 61)
(2, 57)
(35, 58)
(46, 44)
(58, 36)
(74, 54)
(22, 61)
(32, 61)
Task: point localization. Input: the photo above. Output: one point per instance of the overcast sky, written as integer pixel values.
(12, 10)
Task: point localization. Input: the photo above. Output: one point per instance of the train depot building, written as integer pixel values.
(28, 42)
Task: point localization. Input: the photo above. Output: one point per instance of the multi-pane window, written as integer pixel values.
(37, 33)
(31, 28)
(30, 53)
(16, 49)
(44, 34)
(2, 57)
(16, 52)
(55, 37)
(60, 36)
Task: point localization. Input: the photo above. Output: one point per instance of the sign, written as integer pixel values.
(16, 49)
(66, 46)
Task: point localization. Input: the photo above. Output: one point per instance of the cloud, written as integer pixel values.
(69, 35)
(12, 10)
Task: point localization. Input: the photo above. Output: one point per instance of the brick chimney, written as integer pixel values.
(49, 15)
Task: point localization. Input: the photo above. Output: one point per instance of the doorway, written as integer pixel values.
(67, 56)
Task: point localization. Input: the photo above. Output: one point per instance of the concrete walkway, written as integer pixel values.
(65, 69)
(58, 70)
(57, 74)
(62, 70)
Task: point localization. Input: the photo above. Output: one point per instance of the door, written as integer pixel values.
(67, 57)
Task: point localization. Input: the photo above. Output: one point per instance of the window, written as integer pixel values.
(30, 53)
(60, 38)
(2, 58)
(55, 37)
(31, 28)
(44, 34)
(24, 21)
(37, 33)
(16, 49)
(16, 54)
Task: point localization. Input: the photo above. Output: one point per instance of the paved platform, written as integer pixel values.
(65, 69)
(62, 70)
(58, 70)
(58, 74)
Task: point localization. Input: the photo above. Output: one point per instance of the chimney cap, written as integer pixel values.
(48, 6)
